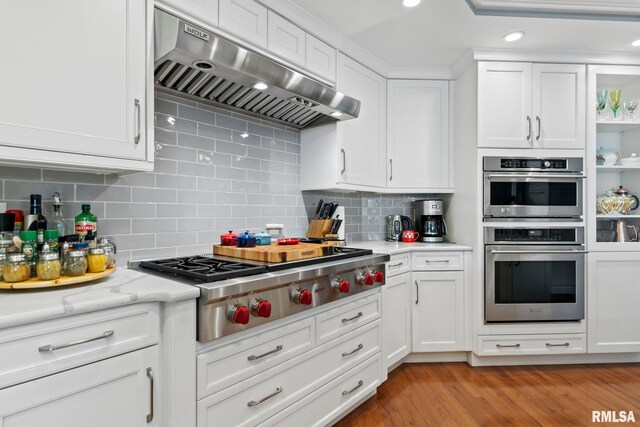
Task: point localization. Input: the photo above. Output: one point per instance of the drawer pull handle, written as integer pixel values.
(508, 346)
(347, 392)
(417, 293)
(353, 318)
(257, 402)
(136, 104)
(396, 265)
(357, 349)
(275, 350)
(50, 347)
(437, 260)
(566, 344)
(150, 376)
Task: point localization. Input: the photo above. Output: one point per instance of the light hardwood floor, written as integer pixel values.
(455, 394)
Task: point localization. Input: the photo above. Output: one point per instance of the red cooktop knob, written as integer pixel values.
(241, 315)
(368, 279)
(343, 286)
(263, 309)
(305, 297)
(378, 276)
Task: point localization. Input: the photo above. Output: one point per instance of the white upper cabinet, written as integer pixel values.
(286, 39)
(246, 19)
(524, 105)
(74, 84)
(419, 155)
(320, 58)
(559, 106)
(363, 139)
(204, 10)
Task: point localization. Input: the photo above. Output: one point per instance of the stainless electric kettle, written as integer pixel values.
(396, 224)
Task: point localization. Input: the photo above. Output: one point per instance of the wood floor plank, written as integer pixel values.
(455, 394)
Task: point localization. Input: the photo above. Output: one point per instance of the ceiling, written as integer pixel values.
(438, 32)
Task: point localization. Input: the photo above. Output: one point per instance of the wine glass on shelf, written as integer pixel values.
(615, 101)
(631, 105)
(601, 103)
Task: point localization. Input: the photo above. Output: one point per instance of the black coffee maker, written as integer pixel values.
(430, 220)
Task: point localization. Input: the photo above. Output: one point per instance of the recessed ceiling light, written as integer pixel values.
(512, 37)
(636, 43)
(260, 86)
(336, 114)
(410, 3)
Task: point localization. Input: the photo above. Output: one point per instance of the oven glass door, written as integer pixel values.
(528, 195)
(534, 283)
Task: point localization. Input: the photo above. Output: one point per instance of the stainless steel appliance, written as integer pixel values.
(236, 295)
(533, 187)
(430, 220)
(534, 274)
(205, 67)
(396, 224)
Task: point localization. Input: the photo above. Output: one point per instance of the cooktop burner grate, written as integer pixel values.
(204, 269)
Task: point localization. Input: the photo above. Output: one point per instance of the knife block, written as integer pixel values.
(318, 228)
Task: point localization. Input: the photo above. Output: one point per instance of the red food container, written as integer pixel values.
(229, 239)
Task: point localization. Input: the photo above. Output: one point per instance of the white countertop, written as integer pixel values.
(123, 287)
(399, 247)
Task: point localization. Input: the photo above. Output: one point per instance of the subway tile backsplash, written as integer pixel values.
(214, 171)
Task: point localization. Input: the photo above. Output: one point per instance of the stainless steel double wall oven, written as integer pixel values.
(534, 273)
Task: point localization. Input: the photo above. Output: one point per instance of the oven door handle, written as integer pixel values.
(542, 176)
(494, 251)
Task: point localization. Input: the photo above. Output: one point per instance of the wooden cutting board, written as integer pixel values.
(274, 252)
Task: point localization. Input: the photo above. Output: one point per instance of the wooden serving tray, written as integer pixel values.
(34, 283)
(274, 252)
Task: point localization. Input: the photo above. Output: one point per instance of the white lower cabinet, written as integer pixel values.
(119, 391)
(513, 345)
(613, 302)
(318, 355)
(396, 319)
(438, 311)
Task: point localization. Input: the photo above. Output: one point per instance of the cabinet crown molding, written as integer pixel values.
(556, 56)
(624, 10)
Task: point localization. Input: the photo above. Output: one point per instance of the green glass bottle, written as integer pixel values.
(86, 222)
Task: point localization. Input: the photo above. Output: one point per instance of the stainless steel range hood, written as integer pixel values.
(208, 68)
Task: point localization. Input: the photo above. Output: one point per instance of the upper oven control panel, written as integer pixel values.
(559, 235)
(533, 164)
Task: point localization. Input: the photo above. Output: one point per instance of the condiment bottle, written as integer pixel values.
(35, 221)
(16, 268)
(109, 247)
(86, 222)
(75, 263)
(29, 249)
(58, 218)
(51, 239)
(97, 260)
(48, 267)
(18, 220)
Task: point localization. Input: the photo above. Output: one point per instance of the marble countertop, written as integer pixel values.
(123, 287)
(399, 247)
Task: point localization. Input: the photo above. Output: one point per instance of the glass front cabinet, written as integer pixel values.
(613, 157)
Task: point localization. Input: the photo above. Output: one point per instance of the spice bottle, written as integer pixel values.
(97, 260)
(51, 239)
(29, 249)
(16, 268)
(86, 222)
(48, 267)
(18, 221)
(75, 263)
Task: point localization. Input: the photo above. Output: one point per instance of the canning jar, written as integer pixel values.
(97, 260)
(75, 263)
(16, 268)
(48, 267)
(109, 246)
(3, 257)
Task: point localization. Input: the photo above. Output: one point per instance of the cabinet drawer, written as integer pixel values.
(40, 349)
(337, 397)
(333, 323)
(237, 361)
(497, 345)
(437, 261)
(263, 395)
(399, 264)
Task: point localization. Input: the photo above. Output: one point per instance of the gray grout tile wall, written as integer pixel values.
(214, 171)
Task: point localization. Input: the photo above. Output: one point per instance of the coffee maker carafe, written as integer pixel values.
(429, 217)
(396, 224)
